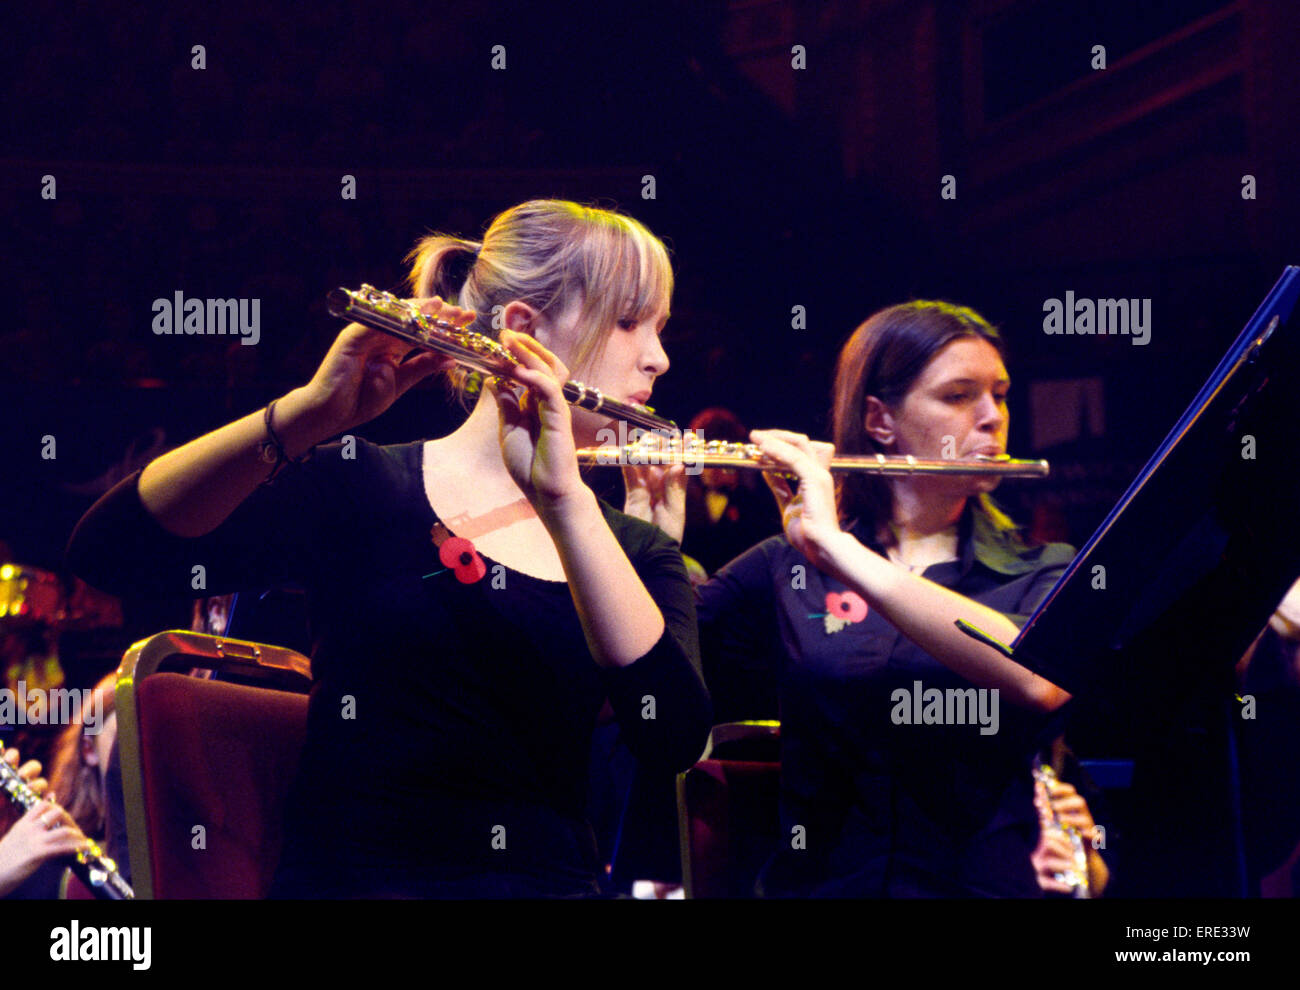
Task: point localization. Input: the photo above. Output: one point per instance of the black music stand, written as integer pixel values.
(1171, 590)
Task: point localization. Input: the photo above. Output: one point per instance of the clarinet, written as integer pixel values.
(1077, 878)
(97, 871)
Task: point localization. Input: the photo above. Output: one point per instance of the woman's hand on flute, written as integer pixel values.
(366, 371)
(620, 619)
(657, 495)
(536, 424)
(809, 515)
(191, 490)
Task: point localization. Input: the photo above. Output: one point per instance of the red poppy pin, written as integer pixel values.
(458, 555)
(842, 609)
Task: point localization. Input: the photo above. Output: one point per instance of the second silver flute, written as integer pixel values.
(403, 319)
(722, 455)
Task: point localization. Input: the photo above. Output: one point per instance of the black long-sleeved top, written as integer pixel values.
(869, 806)
(450, 723)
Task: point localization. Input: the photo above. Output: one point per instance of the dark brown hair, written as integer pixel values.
(76, 784)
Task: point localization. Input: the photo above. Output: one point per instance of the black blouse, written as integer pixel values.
(871, 803)
(450, 723)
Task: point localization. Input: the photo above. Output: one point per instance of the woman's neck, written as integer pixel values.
(475, 444)
(471, 492)
(921, 514)
(924, 528)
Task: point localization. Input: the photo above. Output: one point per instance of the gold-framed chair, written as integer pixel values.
(207, 763)
(728, 809)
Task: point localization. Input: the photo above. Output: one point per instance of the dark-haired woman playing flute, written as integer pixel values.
(848, 618)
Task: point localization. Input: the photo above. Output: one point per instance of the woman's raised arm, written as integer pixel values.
(194, 488)
(921, 610)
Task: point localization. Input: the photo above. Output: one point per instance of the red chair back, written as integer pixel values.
(732, 825)
(728, 810)
(207, 764)
(218, 763)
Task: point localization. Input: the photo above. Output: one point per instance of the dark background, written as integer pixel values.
(775, 187)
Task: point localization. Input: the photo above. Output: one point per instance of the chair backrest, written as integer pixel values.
(728, 810)
(207, 764)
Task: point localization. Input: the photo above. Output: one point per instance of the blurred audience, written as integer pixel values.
(727, 511)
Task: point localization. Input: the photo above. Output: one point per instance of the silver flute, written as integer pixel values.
(403, 319)
(694, 451)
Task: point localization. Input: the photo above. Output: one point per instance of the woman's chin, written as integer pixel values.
(960, 486)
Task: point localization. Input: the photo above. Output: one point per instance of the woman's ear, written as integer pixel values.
(89, 752)
(519, 317)
(879, 422)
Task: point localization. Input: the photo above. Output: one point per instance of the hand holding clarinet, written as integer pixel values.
(43, 832)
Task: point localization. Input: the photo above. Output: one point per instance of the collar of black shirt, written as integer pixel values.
(979, 539)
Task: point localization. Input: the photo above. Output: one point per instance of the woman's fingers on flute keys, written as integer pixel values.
(793, 451)
(418, 365)
(780, 488)
(522, 344)
(436, 307)
(809, 515)
(538, 368)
